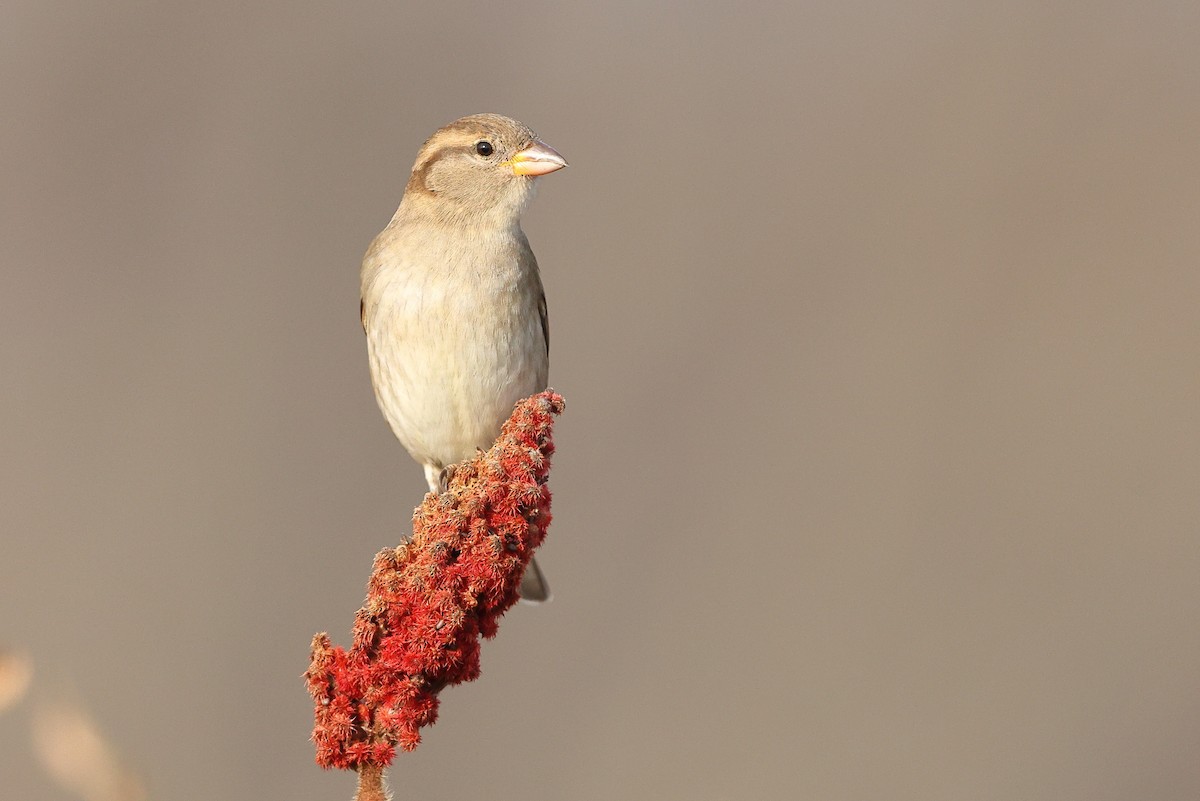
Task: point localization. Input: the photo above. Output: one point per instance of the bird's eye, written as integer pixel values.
(484, 148)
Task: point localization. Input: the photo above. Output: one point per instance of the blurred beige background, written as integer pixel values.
(878, 329)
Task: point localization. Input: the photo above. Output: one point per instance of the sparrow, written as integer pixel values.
(452, 302)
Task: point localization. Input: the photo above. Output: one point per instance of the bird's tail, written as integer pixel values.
(534, 588)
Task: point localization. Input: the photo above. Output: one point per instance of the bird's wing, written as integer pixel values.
(529, 262)
(544, 313)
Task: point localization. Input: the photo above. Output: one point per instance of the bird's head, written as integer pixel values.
(481, 166)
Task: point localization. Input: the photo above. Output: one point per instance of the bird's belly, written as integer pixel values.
(447, 371)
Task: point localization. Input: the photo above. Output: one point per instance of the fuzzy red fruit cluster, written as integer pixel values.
(430, 599)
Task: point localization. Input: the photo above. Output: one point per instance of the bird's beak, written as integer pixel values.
(538, 159)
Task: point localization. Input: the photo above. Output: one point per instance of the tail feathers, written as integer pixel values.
(534, 588)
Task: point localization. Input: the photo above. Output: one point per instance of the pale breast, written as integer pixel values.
(455, 338)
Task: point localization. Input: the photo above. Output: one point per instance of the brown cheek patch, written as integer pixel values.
(419, 181)
(420, 174)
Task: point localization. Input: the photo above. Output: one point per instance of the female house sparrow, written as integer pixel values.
(452, 303)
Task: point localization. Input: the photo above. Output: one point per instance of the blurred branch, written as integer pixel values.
(431, 599)
(68, 743)
(16, 672)
(81, 759)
